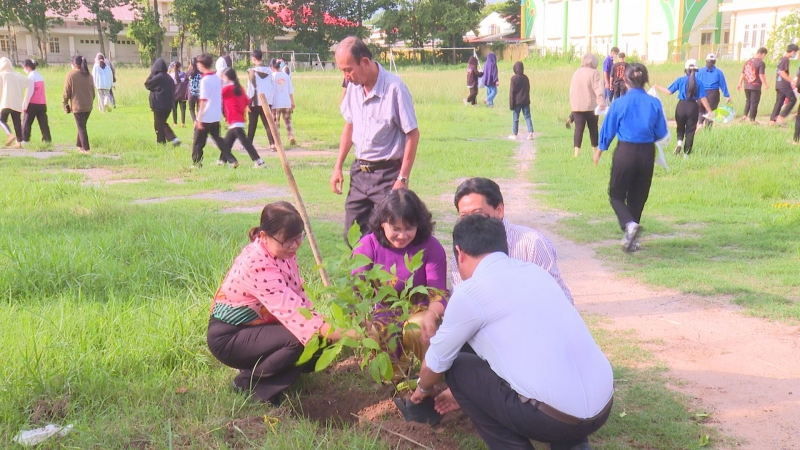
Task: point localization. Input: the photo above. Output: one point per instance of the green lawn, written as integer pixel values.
(106, 301)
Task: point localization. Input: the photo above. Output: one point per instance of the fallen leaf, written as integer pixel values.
(623, 414)
(181, 390)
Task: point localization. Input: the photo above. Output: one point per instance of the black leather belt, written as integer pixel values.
(563, 417)
(371, 166)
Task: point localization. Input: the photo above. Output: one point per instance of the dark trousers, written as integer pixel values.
(797, 126)
(238, 133)
(501, 418)
(164, 132)
(193, 99)
(631, 176)
(264, 354)
(35, 112)
(182, 105)
(712, 96)
(780, 96)
(81, 118)
(620, 90)
(686, 113)
(16, 120)
(256, 113)
(367, 189)
(200, 138)
(583, 119)
(473, 96)
(752, 99)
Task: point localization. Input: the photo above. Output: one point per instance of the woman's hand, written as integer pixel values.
(430, 323)
(596, 157)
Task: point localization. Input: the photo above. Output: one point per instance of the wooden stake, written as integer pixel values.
(301, 207)
(392, 432)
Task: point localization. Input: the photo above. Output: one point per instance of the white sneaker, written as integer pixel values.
(176, 142)
(631, 233)
(678, 148)
(512, 136)
(685, 156)
(220, 162)
(259, 164)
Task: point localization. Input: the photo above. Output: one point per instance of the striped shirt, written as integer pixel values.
(528, 245)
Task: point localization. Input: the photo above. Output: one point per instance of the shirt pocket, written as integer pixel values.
(380, 132)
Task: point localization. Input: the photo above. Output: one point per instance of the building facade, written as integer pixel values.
(654, 30)
(752, 22)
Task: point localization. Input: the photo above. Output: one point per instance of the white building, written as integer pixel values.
(492, 28)
(753, 21)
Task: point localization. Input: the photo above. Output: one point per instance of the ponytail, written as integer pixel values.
(691, 85)
(230, 74)
(636, 75)
(80, 62)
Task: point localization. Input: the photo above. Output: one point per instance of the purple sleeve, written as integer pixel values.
(366, 247)
(436, 264)
(607, 65)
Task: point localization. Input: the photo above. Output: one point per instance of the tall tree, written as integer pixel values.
(7, 18)
(32, 14)
(147, 31)
(104, 21)
(407, 20)
(452, 19)
(200, 18)
(247, 22)
(783, 35)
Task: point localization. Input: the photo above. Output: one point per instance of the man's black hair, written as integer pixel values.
(481, 186)
(477, 235)
(358, 49)
(792, 48)
(257, 54)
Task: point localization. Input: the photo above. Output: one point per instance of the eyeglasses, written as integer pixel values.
(295, 240)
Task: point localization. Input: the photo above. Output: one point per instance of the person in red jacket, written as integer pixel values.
(235, 104)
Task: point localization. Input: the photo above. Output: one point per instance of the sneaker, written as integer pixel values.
(512, 136)
(678, 148)
(530, 136)
(259, 164)
(176, 142)
(685, 156)
(635, 247)
(234, 164)
(631, 233)
(220, 162)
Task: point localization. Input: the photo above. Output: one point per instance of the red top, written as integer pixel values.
(234, 106)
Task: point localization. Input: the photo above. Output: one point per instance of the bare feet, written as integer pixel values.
(577, 152)
(445, 402)
(10, 140)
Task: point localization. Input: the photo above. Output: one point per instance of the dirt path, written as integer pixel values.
(744, 371)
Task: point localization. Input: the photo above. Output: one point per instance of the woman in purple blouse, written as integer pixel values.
(402, 225)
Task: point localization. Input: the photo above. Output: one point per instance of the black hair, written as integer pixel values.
(477, 235)
(228, 60)
(279, 219)
(405, 206)
(178, 65)
(205, 61)
(792, 48)
(358, 49)
(230, 74)
(257, 54)
(80, 62)
(636, 75)
(762, 51)
(30, 64)
(691, 84)
(621, 55)
(193, 70)
(614, 49)
(481, 186)
(276, 64)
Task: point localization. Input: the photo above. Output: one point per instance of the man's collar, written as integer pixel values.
(380, 83)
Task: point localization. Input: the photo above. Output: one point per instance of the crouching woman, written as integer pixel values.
(255, 323)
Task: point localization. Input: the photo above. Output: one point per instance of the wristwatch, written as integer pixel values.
(403, 179)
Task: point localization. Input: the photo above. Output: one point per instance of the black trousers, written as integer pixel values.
(81, 118)
(35, 112)
(367, 189)
(238, 133)
(780, 96)
(503, 421)
(620, 90)
(264, 354)
(752, 99)
(631, 176)
(182, 105)
(473, 96)
(712, 97)
(686, 114)
(164, 132)
(193, 99)
(256, 113)
(583, 119)
(200, 138)
(16, 120)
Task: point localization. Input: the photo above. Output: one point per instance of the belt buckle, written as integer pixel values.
(364, 168)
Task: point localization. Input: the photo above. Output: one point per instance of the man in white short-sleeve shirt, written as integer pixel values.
(518, 358)
(209, 114)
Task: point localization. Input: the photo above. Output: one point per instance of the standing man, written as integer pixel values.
(259, 81)
(753, 78)
(783, 88)
(381, 123)
(520, 361)
(712, 80)
(618, 88)
(608, 64)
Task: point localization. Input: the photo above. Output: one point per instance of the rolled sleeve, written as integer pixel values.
(406, 114)
(346, 108)
(460, 323)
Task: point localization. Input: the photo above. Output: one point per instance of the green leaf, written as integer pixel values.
(375, 370)
(416, 261)
(370, 344)
(353, 235)
(408, 385)
(347, 341)
(305, 313)
(336, 313)
(705, 440)
(623, 414)
(311, 347)
(328, 355)
(386, 366)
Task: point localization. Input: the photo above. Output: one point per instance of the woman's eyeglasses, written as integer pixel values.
(295, 240)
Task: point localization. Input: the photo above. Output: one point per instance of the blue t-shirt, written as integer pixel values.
(713, 79)
(636, 118)
(680, 86)
(608, 63)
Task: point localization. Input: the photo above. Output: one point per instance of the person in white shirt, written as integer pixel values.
(259, 81)
(103, 76)
(283, 101)
(483, 196)
(518, 358)
(209, 115)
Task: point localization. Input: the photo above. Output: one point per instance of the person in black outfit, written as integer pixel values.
(618, 88)
(784, 97)
(162, 99)
(520, 100)
(181, 94)
(472, 80)
(752, 78)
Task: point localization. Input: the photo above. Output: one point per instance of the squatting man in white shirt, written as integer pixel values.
(516, 355)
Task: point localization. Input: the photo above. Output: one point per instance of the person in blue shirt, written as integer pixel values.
(691, 94)
(713, 81)
(608, 63)
(637, 121)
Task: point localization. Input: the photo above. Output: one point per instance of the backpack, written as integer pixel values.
(750, 75)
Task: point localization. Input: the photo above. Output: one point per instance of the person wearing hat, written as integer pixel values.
(691, 94)
(783, 88)
(713, 80)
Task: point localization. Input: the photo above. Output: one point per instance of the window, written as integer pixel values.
(746, 36)
(55, 47)
(763, 34)
(706, 38)
(5, 44)
(726, 37)
(494, 29)
(753, 41)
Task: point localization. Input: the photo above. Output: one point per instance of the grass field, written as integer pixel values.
(105, 300)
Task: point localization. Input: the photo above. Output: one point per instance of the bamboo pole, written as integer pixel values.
(301, 207)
